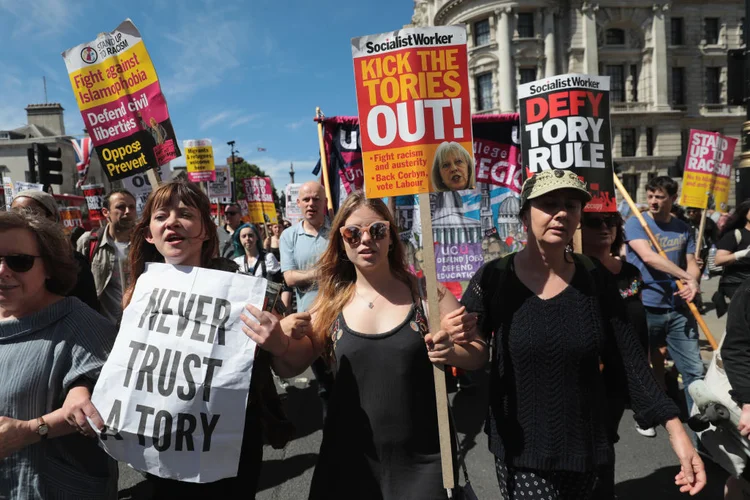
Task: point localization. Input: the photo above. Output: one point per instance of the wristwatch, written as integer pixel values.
(43, 428)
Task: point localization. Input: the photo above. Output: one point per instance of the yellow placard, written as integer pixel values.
(113, 78)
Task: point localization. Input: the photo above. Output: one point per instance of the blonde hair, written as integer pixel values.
(336, 273)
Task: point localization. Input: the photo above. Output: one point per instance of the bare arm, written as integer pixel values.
(653, 259)
(297, 278)
(724, 257)
(469, 354)
(17, 434)
(692, 267)
(297, 358)
(656, 261)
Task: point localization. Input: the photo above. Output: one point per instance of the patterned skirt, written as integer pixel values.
(529, 484)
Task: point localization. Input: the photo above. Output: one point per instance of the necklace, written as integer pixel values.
(371, 303)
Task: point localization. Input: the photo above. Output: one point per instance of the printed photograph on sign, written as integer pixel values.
(121, 102)
(565, 124)
(452, 168)
(412, 89)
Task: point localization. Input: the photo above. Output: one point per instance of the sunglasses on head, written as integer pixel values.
(353, 234)
(19, 263)
(596, 222)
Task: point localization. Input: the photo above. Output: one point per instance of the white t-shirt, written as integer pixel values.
(272, 265)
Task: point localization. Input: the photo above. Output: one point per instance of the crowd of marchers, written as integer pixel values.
(570, 340)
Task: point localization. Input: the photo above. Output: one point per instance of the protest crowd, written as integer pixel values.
(160, 339)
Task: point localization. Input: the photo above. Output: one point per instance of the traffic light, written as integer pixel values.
(50, 165)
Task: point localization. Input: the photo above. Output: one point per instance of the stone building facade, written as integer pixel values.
(668, 64)
(45, 125)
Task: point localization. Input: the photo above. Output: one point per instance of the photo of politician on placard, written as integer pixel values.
(452, 168)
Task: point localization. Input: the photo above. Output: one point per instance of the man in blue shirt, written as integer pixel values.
(670, 322)
(300, 247)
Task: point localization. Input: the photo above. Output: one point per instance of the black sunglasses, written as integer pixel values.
(231, 213)
(596, 222)
(19, 263)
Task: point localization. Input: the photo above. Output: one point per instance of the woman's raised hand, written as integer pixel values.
(266, 331)
(460, 325)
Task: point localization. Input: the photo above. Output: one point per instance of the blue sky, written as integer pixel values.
(252, 71)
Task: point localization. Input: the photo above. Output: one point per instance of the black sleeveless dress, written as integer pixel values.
(380, 440)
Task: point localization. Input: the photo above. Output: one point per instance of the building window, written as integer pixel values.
(484, 92)
(634, 80)
(742, 31)
(713, 89)
(678, 86)
(711, 34)
(630, 181)
(527, 75)
(616, 76)
(649, 141)
(627, 136)
(482, 32)
(649, 177)
(526, 25)
(615, 36)
(676, 27)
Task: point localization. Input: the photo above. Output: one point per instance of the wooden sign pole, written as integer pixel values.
(659, 250)
(324, 160)
(441, 394)
(701, 231)
(154, 178)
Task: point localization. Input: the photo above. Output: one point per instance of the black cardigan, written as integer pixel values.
(547, 406)
(735, 351)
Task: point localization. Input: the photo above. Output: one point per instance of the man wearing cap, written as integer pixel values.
(107, 251)
(44, 204)
(670, 323)
(232, 220)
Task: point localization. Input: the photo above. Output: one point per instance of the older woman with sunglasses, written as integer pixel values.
(603, 238)
(380, 437)
(51, 348)
(552, 316)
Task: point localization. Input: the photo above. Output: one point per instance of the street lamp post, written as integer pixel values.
(234, 188)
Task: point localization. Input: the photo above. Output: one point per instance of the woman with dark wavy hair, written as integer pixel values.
(52, 349)
(176, 228)
(380, 438)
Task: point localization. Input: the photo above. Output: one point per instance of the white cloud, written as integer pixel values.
(40, 17)
(244, 119)
(206, 47)
(299, 123)
(216, 119)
